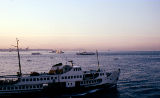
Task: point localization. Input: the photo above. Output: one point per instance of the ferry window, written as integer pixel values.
(80, 76)
(34, 79)
(8, 88)
(74, 76)
(55, 77)
(31, 79)
(62, 77)
(77, 76)
(51, 78)
(38, 86)
(71, 77)
(65, 77)
(48, 78)
(23, 80)
(44, 78)
(34, 86)
(12, 88)
(27, 80)
(16, 87)
(31, 86)
(4, 88)
(20, 87)
(37, 79)
(23, 87)
(26, 87)
(108, 74)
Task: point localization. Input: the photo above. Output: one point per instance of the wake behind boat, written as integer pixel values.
(60, 78)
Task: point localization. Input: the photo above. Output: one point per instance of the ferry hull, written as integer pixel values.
(59, 89)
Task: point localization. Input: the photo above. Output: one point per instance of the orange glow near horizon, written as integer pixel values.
(77, 24)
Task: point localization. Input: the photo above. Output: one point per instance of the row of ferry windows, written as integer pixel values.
(91, 81)
(39, 79)
(71, 77)
(22, 87)
(77, 69)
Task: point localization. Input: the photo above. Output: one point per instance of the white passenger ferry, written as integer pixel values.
(59, 78)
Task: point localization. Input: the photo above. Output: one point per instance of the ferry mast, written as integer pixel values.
(19, 62)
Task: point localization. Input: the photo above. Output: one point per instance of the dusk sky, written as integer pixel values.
(81, 24)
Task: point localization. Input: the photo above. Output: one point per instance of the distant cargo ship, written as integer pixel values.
(36, 53)
(85, 53)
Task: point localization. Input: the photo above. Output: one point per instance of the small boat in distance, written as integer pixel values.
(36, 53)
(85, 53)
(59, 51)
(53, 51)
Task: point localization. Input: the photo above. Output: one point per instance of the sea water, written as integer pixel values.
(139, 77)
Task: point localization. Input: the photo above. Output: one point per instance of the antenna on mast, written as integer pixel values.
(20, 72)
(97, 59)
